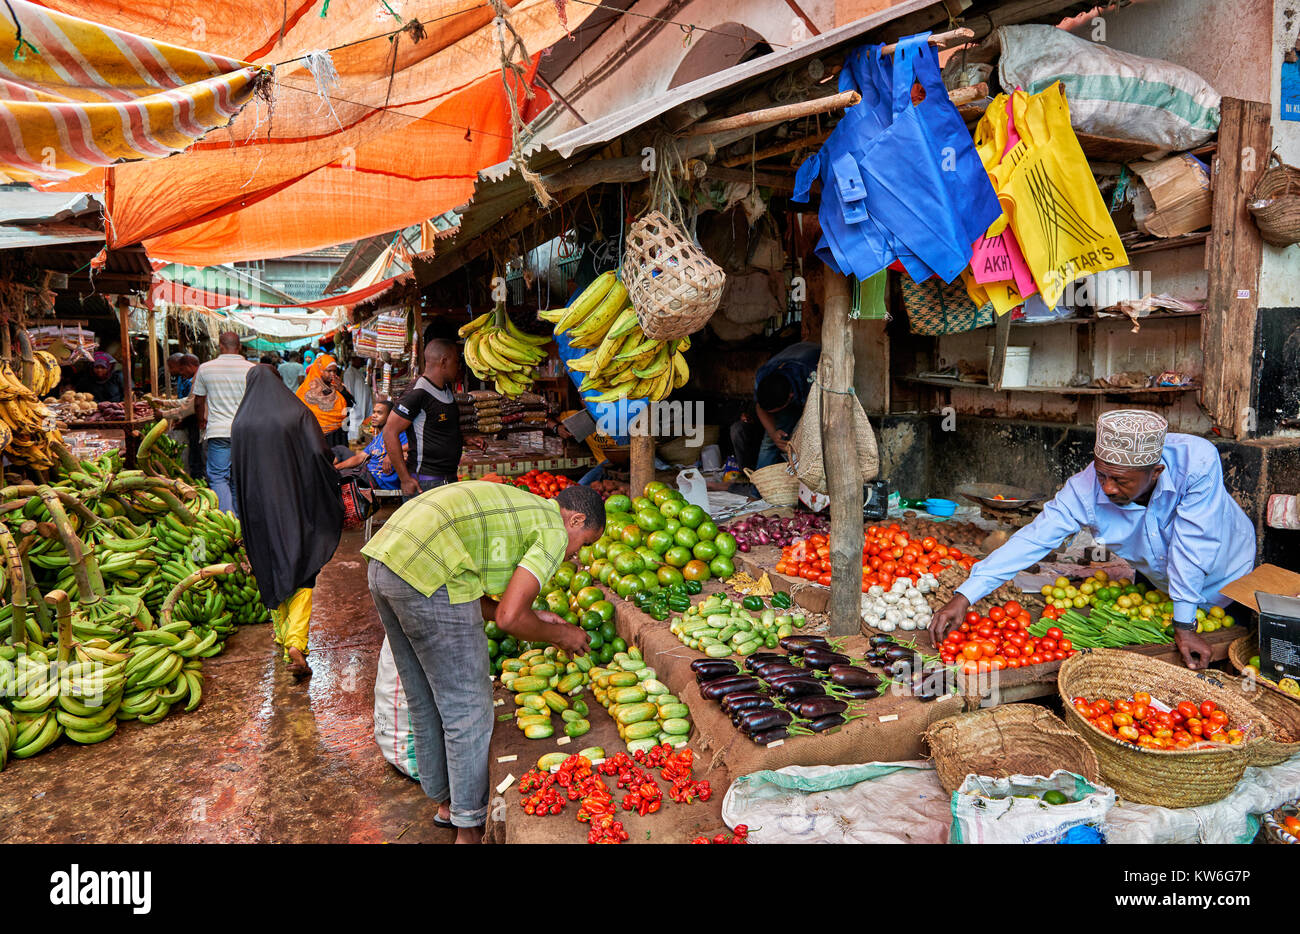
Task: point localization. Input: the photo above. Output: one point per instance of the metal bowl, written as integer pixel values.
(986, 494)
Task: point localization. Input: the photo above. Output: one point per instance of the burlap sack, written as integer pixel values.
(806, 443)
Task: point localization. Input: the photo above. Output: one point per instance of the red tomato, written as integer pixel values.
(825, 579)
(1035, 659)
(1047, 645)
(1207, 708)
(1065, 645)
(1187, 709)
(1054, 633)
(996, 613)
(1012, 607)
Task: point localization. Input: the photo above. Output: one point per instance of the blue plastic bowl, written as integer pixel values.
(940, 507)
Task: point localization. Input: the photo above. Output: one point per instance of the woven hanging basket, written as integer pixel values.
(1014, 739)
(1172, 778)
(1275, 204)
(673, 286)
(776, 484)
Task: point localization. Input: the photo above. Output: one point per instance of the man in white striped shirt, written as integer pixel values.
(218, 390)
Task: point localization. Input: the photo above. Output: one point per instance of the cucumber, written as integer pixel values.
(592, 753)
(525, 722)
(569, 682)
(632, 664)
(512, 664)
(528, 685)
(662, 699)
(749, 648)
(579, 706)
(568, 716)
(634, 653)
(671, 711)
(539, 730)
(642, 745)
(726, 634)
(641, 730)
(628, 695)
(545, 670)
(674, 740)
(717, 651)
(551, 760)
(534, 702)
(653, 686)
(629, 714)
(577, 727)
(677, 726)
(646, 674)
(623, 679)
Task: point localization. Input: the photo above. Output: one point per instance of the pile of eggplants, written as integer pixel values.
(773, 694)
(898, 660)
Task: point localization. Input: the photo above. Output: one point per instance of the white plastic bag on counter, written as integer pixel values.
(987, 810)
(690, 483)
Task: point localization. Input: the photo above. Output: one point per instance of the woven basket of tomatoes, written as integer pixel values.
(1281, 710)
(1282, 825)
(1162, 734)
(1001, 641)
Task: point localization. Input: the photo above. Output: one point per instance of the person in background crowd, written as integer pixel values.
(780, 391)
(174, 372)
(356, 379)
(323, 391)
(373, 456)
(291, 370)
(429, 409)
(432, 565)
(104, 381)
(182, 368)
(292, 515)
(268, 359)
(218, 391)
(307, 357)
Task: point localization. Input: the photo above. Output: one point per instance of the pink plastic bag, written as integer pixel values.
(996, 259)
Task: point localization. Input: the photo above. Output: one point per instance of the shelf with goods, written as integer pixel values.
(948, 383)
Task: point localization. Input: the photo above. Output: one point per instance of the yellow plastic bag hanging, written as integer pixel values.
(1051, 199)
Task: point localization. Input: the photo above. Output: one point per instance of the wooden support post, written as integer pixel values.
(153, 351)
(1233, 255)
(819, 105)
(840, 455)
(128, 393)
(643, 459)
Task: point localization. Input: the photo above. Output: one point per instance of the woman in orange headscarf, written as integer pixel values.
(323, 392)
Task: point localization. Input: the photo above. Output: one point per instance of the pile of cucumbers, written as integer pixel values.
(720, 627)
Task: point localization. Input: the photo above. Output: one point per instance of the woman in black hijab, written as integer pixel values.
(289, 504)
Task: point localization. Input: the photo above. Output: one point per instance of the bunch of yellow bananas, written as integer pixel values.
(499, 352)
(28, 428)
(622, 362)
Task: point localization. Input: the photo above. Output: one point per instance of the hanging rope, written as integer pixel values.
(509, 69)
(321, 66)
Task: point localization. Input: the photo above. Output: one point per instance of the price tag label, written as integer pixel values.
(775, 743)
(505, 783)
(498, 702)
(564, 740)
(888, 718)
(507, 758)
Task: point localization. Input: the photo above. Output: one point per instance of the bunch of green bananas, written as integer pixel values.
(622, 363)
(500, 353)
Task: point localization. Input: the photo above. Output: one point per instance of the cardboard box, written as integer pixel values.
(1267, 578)
(1279, 636)
(1180, 191)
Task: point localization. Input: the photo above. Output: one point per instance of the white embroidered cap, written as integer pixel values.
(1130, 438)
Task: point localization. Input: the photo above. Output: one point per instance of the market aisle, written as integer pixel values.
(261, 761)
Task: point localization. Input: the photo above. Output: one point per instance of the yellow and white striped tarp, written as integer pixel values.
(75, 96)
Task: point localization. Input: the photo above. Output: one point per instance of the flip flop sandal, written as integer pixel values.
(445, 824)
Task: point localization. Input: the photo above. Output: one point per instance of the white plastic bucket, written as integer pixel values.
(1015, 370)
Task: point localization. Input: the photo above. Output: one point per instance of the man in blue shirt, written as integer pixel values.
(383, 474)
(1159, 502)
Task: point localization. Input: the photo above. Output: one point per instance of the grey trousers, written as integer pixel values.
(441, 656)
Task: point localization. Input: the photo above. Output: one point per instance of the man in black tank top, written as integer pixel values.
(427, 412)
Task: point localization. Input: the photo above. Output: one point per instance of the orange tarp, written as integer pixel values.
(386, 151)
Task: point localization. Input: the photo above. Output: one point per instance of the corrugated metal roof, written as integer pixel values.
(17, 237)
(24, 204)
(500, 190)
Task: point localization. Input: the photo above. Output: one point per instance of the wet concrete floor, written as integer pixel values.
(262, 760)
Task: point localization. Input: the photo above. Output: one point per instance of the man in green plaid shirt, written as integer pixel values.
(432, 566)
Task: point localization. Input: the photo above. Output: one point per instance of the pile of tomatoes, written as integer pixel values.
(1001, 640)
(1135, 721)
(543, 483)
(887, 553)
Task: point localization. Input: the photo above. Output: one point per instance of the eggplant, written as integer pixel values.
(768, 669)
(761, 658)
(793, 689)
(810, 708)
(828, 722)
(878, 641)
(851, 677)
(796, 644)
(707, 669)
(769, 736)
(747, 700)
(717, 690)
(821, 661)
(785, 677)
(897, 652)
(756, 721)
(863, 693)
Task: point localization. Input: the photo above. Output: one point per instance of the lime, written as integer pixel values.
(1055, 797)
(686, 537)
(595, 641)
(659, 541)
(707, 530)
(670, 508)
(632, 536)
(590, 621)
(677, 556)
(606, 654)
(618, 503)
(494, 649)
(705, 550)
(691, 516)
(618, 645)
(725, 543)
(608, 630)
(492, 630)
(509, 645)
(669, 575)
(722, 567)
(696, 570)
(650, 519)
